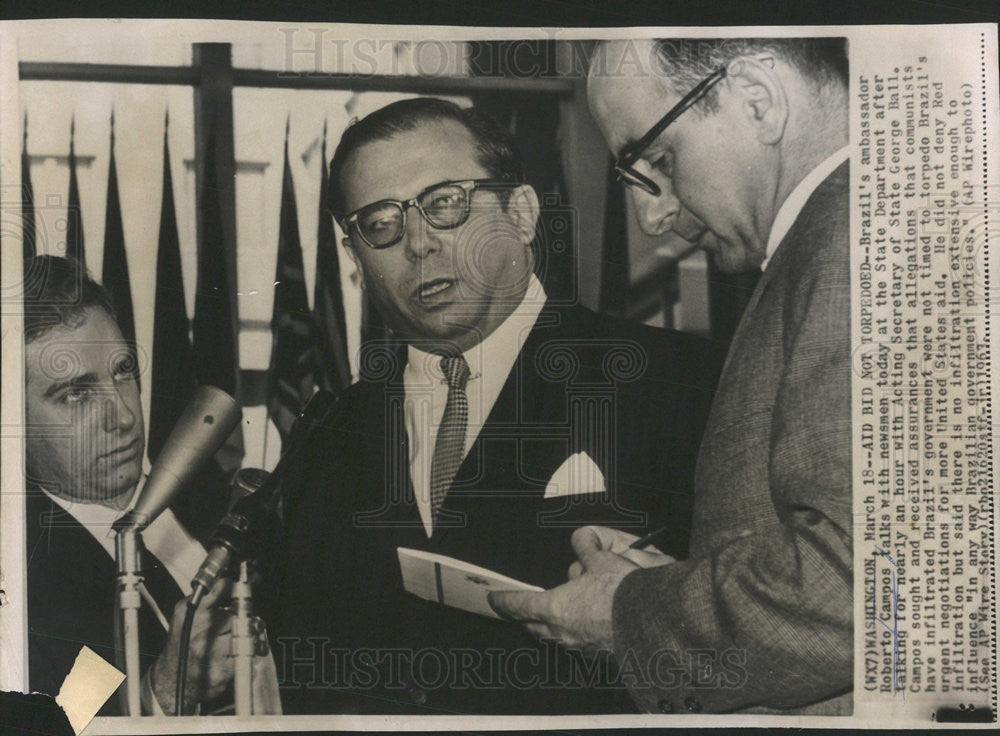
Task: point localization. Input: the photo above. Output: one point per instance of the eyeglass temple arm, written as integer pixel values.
(686, 101)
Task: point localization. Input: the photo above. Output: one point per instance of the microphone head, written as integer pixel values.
(246, 482)
(207, 421)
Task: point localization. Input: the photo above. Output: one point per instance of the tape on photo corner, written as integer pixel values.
(87, 687)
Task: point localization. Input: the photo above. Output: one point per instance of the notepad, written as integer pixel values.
(453, 582)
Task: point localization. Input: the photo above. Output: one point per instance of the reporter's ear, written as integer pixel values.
(758, 89)
(523, 207)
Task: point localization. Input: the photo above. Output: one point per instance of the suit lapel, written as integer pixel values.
(389, 464)
(783, 254)
(520, 444)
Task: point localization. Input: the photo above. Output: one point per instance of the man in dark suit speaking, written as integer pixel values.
(740, 144)
(503, 423)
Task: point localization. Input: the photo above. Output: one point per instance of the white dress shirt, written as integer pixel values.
(797, 198)
(490, 363)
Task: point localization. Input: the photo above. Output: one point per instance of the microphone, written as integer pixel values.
(256, 494)
(245, 482)
(227, 540)
(207, 421)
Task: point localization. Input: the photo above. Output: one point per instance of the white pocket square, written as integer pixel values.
(578, 475)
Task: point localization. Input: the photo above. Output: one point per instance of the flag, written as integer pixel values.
(27, 200)
(205, 499)
(74, 217)
(114, 274)
(214, 339)
(290, 378)
(173, 379)
(333, 371)
(214, 342)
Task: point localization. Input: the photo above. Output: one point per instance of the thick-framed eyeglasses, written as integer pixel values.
(631, 153)
(445, 206)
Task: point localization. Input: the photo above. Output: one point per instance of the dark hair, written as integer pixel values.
(687, 61)
(58, 291)
(497, 152)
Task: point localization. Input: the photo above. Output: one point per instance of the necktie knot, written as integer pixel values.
(456, 372)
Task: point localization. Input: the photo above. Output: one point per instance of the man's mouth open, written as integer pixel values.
(434, 291)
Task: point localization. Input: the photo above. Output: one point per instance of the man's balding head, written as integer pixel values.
(774, 109)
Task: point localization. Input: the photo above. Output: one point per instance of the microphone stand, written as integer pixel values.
(201, 429)
(229, 541)
(129, 600)
(243, 641)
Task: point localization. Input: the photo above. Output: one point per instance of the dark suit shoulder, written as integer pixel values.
(356, 402)
(335, 453)
(680, 359)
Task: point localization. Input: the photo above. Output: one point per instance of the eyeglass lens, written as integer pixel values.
(630, 178)
(444, 207)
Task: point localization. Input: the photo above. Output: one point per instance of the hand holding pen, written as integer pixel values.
(637, 550)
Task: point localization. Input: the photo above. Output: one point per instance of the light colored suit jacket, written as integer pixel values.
(760, 616)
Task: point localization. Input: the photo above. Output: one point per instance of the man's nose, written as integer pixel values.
(118, 415)
(420, 238)
(656, 213)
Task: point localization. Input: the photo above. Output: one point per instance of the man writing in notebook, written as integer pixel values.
(84, 448)
(740, 145)
(501, 424)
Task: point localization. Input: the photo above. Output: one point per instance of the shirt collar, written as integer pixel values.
(92, 516)
(502, 346)
(797, 198)
(166, 538)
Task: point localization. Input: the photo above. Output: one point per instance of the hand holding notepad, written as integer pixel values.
(453, 582)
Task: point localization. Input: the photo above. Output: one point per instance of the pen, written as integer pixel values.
(648, 539)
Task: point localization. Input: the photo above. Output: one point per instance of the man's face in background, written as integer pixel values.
(85, 434)
(704, 164)
(453, 285)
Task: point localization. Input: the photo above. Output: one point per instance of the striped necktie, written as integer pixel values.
(450, 445)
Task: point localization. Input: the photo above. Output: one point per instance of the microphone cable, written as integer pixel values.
(182, 655)
(260, 496)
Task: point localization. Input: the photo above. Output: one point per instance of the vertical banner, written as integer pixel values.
(74, 217)
(290, 377)
(114, 273)
(214, 343)
(27, 199)
(173, 375)
(333, 370)
(214, 340)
